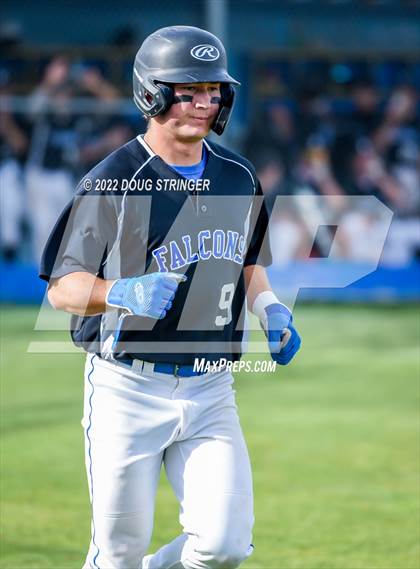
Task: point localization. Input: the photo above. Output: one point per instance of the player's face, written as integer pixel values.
(192, 120)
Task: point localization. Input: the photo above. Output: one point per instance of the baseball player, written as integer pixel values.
(156, 257)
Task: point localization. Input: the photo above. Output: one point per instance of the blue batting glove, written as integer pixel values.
(283, 339)
(148, 295)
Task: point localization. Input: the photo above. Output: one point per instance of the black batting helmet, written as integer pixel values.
(181, 54)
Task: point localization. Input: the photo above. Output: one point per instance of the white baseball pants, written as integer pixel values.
(135, 422)
(47, 193)
(11, 203)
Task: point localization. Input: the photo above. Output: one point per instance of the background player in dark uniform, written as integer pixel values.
(154, 255)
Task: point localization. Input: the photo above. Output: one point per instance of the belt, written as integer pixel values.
(161, 367)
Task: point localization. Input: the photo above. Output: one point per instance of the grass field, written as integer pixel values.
(334, 441)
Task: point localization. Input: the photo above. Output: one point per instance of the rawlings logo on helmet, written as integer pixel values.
(205, 52)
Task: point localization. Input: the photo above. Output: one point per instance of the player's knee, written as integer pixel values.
(227, 560)
(223, 554)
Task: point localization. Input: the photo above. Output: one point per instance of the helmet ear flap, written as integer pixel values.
(166, 93)
(154, 99)
(227, 92)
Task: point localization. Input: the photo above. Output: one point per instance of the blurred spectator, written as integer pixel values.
(73, 129)
(13, 150)
(104, 130)
(51, 162)
(314, 174)
(359, 122)
(289, 237)
(288, 234)
(403, 242)
(362, 231)
(92, 83)
(397, 139)
(370, 177)
(314, 115)
(272, 174)
(365, 116)
(363, 145)
(274, 129)
(314, 178)
(56, 74)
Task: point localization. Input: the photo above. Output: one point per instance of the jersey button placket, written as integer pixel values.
(204, 209)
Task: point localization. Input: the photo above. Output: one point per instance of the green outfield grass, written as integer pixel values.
(334, 442)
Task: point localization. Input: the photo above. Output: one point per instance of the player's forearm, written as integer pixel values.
(79, 293)
(256, 281)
